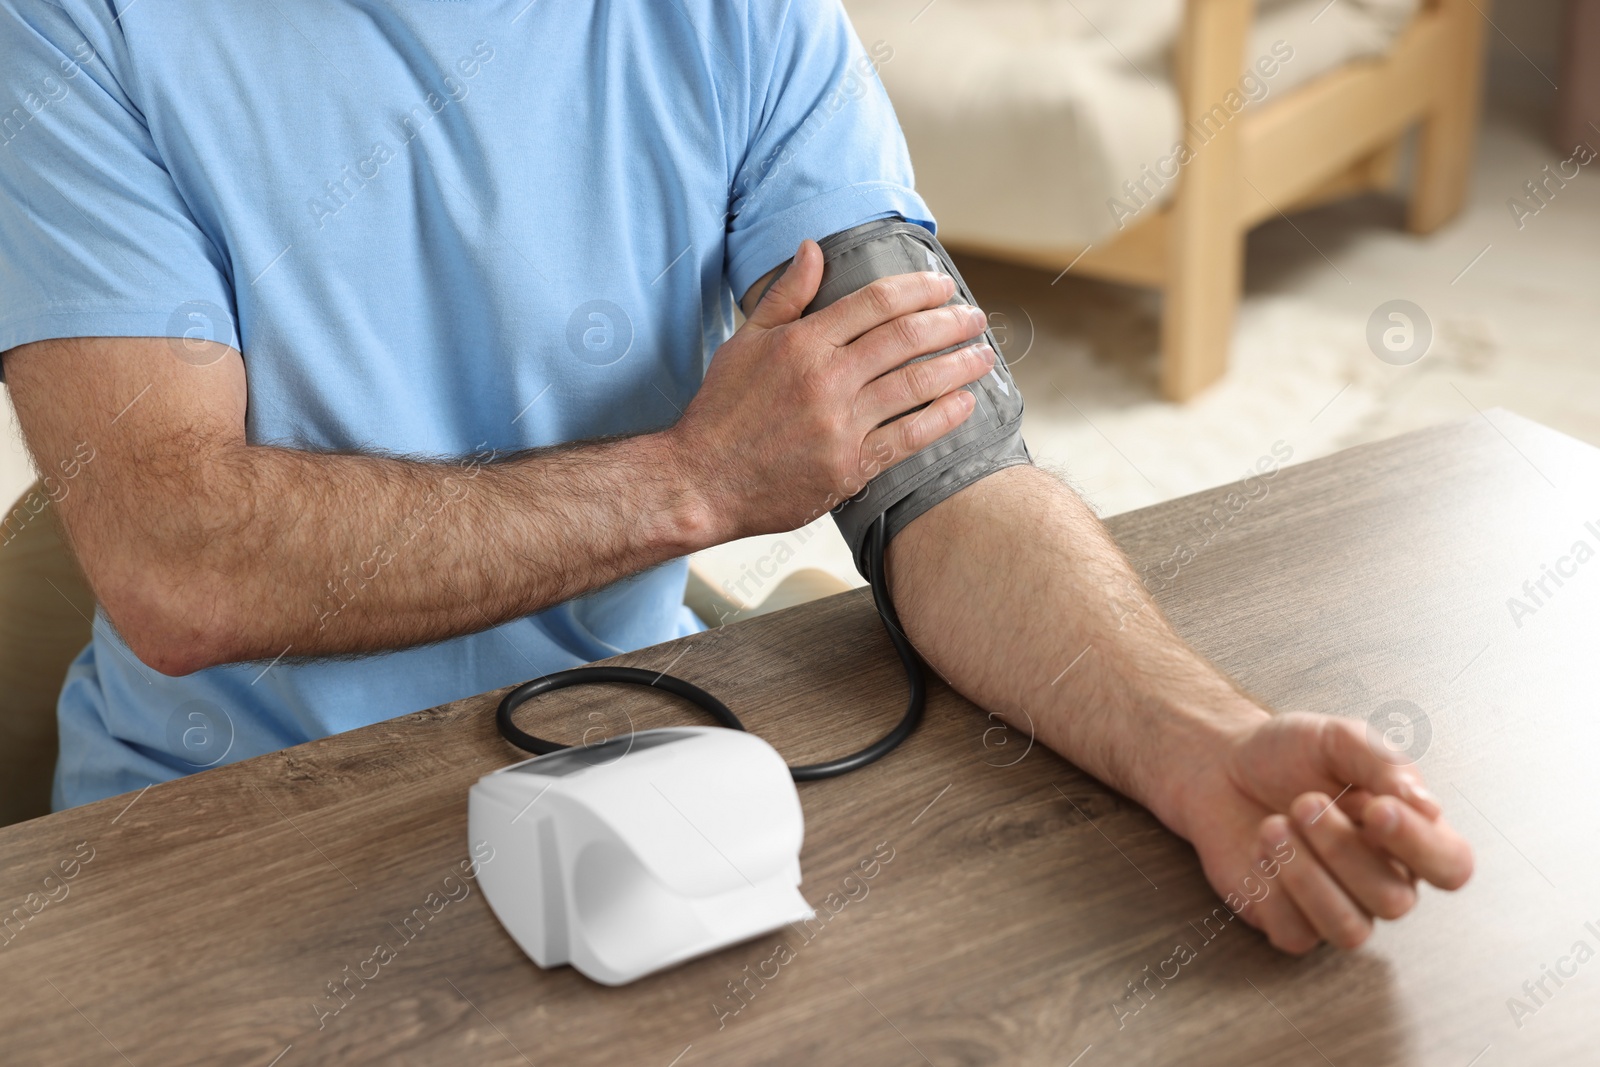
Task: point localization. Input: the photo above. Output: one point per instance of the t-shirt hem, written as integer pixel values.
(53, 325)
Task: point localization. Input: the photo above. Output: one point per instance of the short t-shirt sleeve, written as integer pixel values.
(824, 152)
(95, 238)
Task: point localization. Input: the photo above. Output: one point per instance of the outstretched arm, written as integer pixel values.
(1015, 593)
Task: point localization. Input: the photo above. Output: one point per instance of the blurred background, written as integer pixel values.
(1173, 316)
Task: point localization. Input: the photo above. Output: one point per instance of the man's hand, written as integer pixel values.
(1307, 833)
(797, 415)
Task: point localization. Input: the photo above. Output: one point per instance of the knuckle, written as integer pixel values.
(959, 410)
(799, 337)
(817, 382)
(909, 333)
(907, 436)
(927, 426)
(880, 297)
(793, 342)
(972, 365)
(921, 381)
(829, 428)
(959, 324)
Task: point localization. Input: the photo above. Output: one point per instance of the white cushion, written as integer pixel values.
(1025, 117)
(1344, 30)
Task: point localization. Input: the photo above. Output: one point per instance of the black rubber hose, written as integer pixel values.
(718, 710)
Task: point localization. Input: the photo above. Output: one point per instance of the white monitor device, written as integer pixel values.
(645, 850)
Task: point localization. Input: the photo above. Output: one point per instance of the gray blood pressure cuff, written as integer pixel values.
(989, 440)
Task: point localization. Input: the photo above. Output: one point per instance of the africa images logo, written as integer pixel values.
(599, 333)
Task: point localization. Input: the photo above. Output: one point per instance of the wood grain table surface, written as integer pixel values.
(1012, 901)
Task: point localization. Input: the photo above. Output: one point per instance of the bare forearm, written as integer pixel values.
(1015, 593)
(275, 549)
(204, 549)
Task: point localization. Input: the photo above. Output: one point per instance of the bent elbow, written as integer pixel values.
(173, 658)
(171, 629)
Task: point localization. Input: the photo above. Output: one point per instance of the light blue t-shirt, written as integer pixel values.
(435, 229)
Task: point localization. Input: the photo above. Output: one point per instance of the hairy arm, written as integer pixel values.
(204, 549)
(1015, 593)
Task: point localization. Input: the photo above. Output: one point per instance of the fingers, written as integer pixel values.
(1366, 874)
(1352, 759)
(795, 288)
(1286, 928)
(912, 433)
(1323, 902)
(1353, 802)
(884, 300)
(923, 382)
(882, 349)
(1429, 847)
(1276, 914)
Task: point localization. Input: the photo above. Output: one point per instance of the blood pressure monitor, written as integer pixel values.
(637, 853)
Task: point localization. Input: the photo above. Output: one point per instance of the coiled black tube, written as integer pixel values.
(718, 710)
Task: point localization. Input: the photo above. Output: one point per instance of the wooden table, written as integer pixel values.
(1021, 897)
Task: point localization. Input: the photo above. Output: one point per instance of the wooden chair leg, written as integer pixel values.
(1198, 305)
(1447, 136)
(1205, 238)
